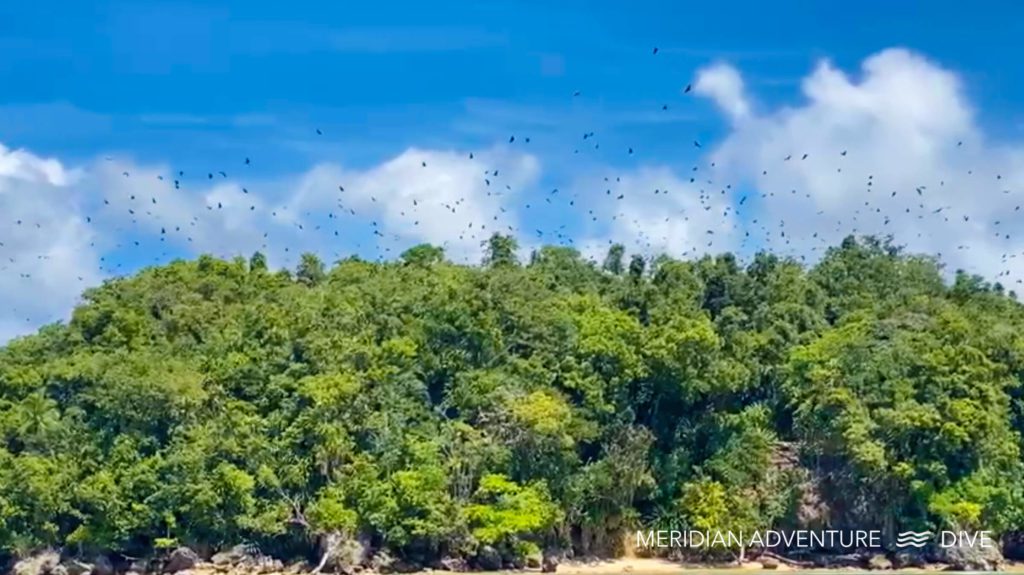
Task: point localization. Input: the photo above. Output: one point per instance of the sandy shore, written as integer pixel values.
(610, 566)
(649, 566)
(646, 566)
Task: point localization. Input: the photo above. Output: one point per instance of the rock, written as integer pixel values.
(76, 567)
(820, 561)
(878, 562)
(39, 564)
(269, 565)
(233, 556)
(400, 566)
(512, 558)
(102, 565)
(381, 562)
(971, 558)
(181, 559)
(904, 559)
(1013, 545)
(350, 554)
(59, 570)
(453, 564)
(343, 554)
(488, 559)
(769, 563)
(549, 560)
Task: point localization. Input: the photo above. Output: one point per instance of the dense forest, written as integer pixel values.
(432, 409)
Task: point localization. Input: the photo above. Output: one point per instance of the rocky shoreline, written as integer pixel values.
(243, 560)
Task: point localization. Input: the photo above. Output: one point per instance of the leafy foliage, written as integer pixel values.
(437, 407)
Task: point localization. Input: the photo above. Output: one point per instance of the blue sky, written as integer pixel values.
(176, 81)
(154, 88)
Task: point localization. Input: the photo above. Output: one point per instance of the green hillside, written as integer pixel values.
(433, 408)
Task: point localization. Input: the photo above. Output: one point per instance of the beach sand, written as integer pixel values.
(649, 566)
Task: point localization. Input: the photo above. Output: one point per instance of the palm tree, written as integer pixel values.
(38, 417)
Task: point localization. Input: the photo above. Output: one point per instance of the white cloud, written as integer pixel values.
(653, 210)
(440, 197)
(46, 252)
(216, 217)
(71, 217)
(904, 127)
(901, 125)
(723, 84)
(389, 206)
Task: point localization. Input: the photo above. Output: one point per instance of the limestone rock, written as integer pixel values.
(549, 560)
(971, 558)
(904, 559)
(1012, 545)
(76, 567)
(454, 564)
(401, 566)
(233, 556)
(488, 559)
(350, 554)
(102, 565)
(41, 563)
(381, 561)
(269, 565)
(878, 562)
(181, 559)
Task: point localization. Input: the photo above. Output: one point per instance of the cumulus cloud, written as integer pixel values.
(66, 229)
(441, 197)
(46, 248)
(896, 150)
(218, 216)
(653, 210)
(724, 85)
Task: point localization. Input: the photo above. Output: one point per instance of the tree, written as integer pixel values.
(423, 255)
(500, 251)
(258, 262)
(637, 265)
(505, 513)
(613, 261)
(434, 409)
(310, 271)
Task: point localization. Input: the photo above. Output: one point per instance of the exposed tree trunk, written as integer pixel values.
(329, 544)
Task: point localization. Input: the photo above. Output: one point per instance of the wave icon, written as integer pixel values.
(913, 538)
